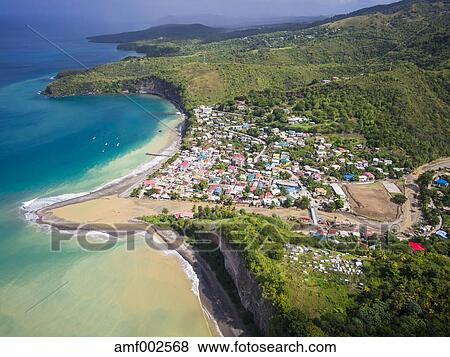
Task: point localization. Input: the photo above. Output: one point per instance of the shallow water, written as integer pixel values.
(47, 148)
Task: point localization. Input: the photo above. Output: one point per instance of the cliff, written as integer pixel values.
(147, 85)
(249, 292)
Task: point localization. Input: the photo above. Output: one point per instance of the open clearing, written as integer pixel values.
(371, 201)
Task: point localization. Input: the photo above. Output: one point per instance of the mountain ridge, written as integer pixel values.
(186, 31)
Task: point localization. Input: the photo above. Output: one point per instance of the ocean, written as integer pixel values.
(51, 147)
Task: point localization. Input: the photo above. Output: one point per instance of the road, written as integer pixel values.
(410, 215)
(410, 212)
(262, 142)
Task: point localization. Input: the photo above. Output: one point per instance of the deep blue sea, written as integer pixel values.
(51, 147)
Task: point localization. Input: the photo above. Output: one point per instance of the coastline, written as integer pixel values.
(217, 306)
(214, 301)
(120, 185)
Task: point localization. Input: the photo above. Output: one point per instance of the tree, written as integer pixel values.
(135, 192)
(303, 202)
(285, 175)
(330, 207)
(165, 211)
(276, 252)
(201, 186)
(399, 199)
(339, 203)
(258, 192)
(289, 202)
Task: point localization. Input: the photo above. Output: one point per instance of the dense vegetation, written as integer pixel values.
(403, 294)
(169, 32)
(406, 295)
(394, 58)
(433, 199)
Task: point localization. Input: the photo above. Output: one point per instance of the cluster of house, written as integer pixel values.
(323, 261)
(298, 120)
(328, 158)
(218, 173)
(224, 162)
(333, 79)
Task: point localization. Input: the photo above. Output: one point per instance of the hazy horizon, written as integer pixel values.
(134, 14)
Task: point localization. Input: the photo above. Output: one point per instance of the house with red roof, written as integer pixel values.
(149, 183)
(416, 246)
(212, 188)
(239, 159)
(184, 165)
(188, 215)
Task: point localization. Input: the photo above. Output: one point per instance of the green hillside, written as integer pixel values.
(395, 58)
(399, 293)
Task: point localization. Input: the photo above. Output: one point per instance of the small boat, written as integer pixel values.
(94, 138)
(103, 150)
(160, 131)
(106, 144)
(118, 144)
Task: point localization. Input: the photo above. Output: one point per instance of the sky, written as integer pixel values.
(140, 12)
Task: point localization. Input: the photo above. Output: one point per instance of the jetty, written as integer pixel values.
(156, 154)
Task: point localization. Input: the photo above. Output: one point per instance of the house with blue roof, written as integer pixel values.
(348, 177)
(442, 234)
(441, 182)
(215, 179)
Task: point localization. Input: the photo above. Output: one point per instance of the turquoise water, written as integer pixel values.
(50, 147)
(46, 142)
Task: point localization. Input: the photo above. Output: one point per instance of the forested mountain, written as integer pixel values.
(168, 32)
(392, 61)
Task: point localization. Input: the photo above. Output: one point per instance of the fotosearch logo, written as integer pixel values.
(103, 237)
(207, 238)
(107, 236)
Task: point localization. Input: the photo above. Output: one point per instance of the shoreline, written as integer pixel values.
(121, 185)
(211, 294)
(214, 300)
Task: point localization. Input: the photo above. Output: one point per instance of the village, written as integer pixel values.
(228, 157)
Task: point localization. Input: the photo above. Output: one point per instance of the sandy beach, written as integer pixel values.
(114, 214)
(109, 208)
